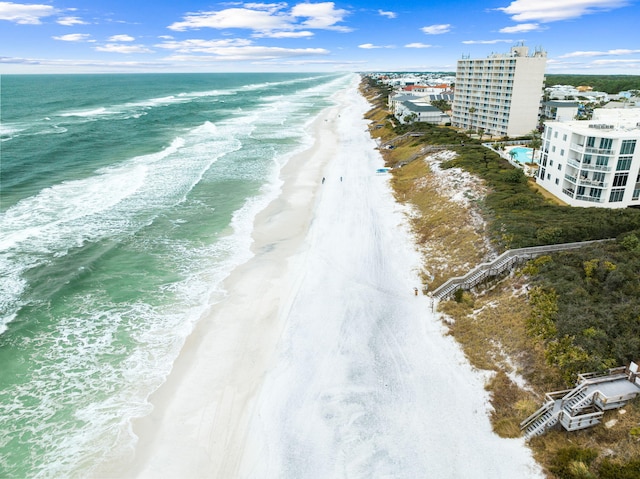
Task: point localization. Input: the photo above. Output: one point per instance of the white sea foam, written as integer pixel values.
(78, 382)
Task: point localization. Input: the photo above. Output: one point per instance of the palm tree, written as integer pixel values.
(472, 110)
(535, 143)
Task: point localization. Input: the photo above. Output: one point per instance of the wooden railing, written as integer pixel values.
(506, 260)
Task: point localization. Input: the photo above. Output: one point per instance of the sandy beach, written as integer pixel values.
(320, 362)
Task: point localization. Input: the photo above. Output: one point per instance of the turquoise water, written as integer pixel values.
(522, 154)
(125, 201)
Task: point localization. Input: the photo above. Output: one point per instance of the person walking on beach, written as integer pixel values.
(323, 180)
(415, 290)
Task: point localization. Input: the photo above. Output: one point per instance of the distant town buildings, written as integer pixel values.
(500, 94)
(593, 162)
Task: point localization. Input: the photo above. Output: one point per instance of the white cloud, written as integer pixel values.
(268, 19)
(619, 61)
(120, 48)
(248, 53)
(599, 54)
(233, 18)
(555, 10)
(417, 45)
(121, 38)
(323, 16)
(371, 46)
(436, 29)
(70, 21)
(486, 42)
(231, 49)
(25, 14)
(387, 14)
(74, 37)
(203, 46)
(522, 27)
(300, 34)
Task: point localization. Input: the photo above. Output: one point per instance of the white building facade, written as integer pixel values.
(595, 162)
(500, 94)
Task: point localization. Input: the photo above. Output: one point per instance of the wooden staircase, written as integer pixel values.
(584, 405)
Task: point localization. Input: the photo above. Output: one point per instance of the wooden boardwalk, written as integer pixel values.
(506, 261)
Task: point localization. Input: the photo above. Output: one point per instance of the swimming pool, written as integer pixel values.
(522, 154)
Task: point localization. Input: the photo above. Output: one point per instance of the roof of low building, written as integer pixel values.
(418, 108)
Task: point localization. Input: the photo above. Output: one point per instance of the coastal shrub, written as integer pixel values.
(573, 463)
(609, 469)
(586, 307)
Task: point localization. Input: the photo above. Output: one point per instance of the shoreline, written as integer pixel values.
(212, 387)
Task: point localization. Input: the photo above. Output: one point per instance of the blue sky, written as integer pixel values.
(580, 36)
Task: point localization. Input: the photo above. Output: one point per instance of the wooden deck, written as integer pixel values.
(584, 405)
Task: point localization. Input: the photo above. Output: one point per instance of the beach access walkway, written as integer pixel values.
(584, 405)
(506, 261)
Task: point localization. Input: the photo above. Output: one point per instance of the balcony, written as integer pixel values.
(588, 166)
(589, 182)
(598, 151)
(589, 198)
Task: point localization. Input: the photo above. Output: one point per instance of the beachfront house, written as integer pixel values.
(409, 111)
(593, 163)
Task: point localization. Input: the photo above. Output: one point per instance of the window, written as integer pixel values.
(580, 190)
(602, 160)
(564, 137)
(595, 193)
(587, 159)
(555, 134)
(550, 162)
(548, 176)
(636, 194)
(542, 170)
(553, 148)
(559, 166)
(605, 143)
(616, 195)
(598, 177)
(624, 163)
(557, 181)
(591, 141)
(620, 179)
(627, 147)
(561, 152)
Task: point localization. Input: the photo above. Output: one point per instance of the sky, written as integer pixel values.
(102, 36)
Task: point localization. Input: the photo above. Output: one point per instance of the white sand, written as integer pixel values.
(321, 363)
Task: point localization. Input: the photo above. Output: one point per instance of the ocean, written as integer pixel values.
(125, 201)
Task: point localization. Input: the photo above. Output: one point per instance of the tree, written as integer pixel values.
(535, 143)
(472, 110)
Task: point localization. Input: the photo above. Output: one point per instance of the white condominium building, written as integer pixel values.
(594, 162)
(500, 94)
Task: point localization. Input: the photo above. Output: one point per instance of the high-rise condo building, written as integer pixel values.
(500, 94)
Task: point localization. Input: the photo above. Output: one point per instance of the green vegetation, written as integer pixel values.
(442, 105)
(519, 216)
(586, 306)
(607, 83)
